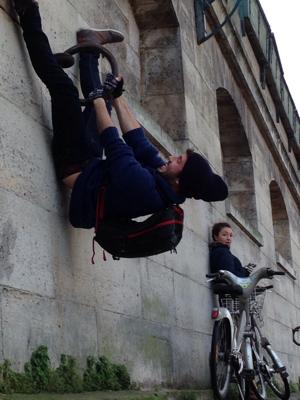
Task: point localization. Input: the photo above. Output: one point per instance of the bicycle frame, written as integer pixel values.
(241, 332)
(244, 351)
(267, 346)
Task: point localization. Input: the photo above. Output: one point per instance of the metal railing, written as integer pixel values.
(256, 26)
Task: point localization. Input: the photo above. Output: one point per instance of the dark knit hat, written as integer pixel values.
(197, 180)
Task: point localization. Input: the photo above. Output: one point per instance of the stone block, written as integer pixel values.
(28, 250)
(154, 14)
(278, 333)
(29, 321)
(164, 38)
(193, 305)
(192, 257)
(282, 304)
(187, 35)
(191, 358)
(81, 320)
(292, 365)
(68, 328)
(161, 71)
(117, 286)
(204, 63)
(171, 119)
(145, 347)
(18, 85)
(27, 166)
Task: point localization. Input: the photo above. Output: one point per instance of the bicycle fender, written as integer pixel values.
(248, 355)
(224, 313)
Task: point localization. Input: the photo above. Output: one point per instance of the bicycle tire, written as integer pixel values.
(279, 384)
(257, 385)
(243, 385)
(220, 353)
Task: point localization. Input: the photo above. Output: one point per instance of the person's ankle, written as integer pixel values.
(23, 6)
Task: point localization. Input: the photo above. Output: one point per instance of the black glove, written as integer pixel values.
(96, 94)
(113, 87)
(250, 267)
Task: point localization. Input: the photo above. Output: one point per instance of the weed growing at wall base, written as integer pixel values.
(39, 376)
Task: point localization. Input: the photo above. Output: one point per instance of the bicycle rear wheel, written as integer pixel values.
(276, 379)
(220, 366)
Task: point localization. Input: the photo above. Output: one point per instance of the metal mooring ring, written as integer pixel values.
(66, 59)
(295, 330)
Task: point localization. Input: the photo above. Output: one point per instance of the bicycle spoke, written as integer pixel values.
(277, 380)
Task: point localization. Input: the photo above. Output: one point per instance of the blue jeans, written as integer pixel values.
(75, 136)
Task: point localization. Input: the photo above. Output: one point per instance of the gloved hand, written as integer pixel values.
(113, 86)
(250, 267)
(95, 94)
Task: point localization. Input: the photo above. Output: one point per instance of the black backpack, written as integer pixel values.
(160, 232)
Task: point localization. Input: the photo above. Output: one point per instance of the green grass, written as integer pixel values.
(126, 395)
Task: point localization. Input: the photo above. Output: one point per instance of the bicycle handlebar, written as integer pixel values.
(213, 275)
(246, 285)
(261, 289)
(219, 274)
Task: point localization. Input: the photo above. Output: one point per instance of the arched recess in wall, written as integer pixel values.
(237, 158)
(161, 64)
(281, 224)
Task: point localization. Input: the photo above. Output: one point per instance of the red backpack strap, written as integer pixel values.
(100, 207)
(99, 217)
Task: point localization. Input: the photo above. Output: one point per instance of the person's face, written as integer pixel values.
(174, 165)
(224, 236)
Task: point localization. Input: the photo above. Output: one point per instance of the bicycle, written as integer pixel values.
(239, 351)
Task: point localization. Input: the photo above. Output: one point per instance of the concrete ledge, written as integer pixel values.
(285, 265)
(121, 395)
(247, 228)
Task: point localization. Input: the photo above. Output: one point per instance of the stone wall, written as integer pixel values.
(151, 314)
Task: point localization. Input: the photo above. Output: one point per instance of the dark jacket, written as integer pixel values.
(134, 187)
(222, 258)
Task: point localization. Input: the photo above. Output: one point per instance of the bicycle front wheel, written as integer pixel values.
(220, 366)
(276, 379)
(258, 385)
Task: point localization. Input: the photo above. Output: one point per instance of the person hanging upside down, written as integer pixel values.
(138, 181)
